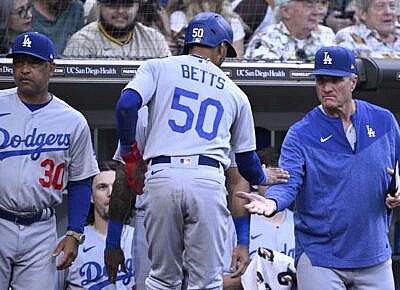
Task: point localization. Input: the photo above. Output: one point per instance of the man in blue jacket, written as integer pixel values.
(339, 157)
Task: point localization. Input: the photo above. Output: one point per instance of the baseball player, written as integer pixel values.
(195, 113)
(45, 147)
(275, 233)
(339, 156)
(87, 272)
(139, 245)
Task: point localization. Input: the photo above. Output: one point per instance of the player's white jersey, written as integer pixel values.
(194, 108)
(267, 272)
(88, 271)
(278, 238)
(40, 152)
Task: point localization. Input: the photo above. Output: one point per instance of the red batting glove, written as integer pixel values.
(135, 168)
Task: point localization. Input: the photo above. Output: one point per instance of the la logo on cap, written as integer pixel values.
(327, 58)
(27, 42)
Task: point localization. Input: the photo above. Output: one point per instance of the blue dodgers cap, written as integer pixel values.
(334, 61)
(34, 44)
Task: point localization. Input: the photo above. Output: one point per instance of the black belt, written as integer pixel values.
(24, 220)
(203, 160)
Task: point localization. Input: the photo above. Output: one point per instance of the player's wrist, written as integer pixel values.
(125, 149)
(114, 231)
(79, 237)
(242, 226)
(130, 153)
(264, 181)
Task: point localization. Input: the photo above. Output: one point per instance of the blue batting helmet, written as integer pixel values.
(209, 29)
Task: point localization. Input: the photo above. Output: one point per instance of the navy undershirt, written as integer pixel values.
(34, 107)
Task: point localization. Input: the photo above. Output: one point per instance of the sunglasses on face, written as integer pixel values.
(22, 11)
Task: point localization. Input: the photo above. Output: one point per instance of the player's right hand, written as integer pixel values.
(240, 260)
(275, 175)
(113, 258)
(69, 246)
(258, 204)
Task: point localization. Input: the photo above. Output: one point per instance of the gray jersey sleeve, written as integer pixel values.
(243, 136)
(83, 162)
(145, 81)
(232, 158)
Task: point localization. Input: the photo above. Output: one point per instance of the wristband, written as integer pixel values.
(114, 231)
(79, 193)
(242, 226)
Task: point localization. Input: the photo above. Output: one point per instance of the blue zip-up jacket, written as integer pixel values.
(341, 219)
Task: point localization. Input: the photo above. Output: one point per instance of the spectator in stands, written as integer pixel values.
(90, 11)
(152, 13)
(296, 36)
(340, 14)
(87, 270)
(15, 18)
(376, 35)
(256, 14)
(182, 11)
(322, 7)
(117, 34)
(58, 19)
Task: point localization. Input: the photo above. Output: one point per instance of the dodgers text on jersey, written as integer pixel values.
(35, 143)
(92, 274)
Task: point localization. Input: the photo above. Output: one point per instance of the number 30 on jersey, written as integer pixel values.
(204, 106)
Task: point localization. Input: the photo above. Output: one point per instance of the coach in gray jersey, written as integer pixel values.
(45, 148)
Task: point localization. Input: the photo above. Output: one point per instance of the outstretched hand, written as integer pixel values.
(113, 258)
(275, 175)
(258, 204)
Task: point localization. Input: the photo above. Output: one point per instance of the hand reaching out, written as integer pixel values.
(258, 204)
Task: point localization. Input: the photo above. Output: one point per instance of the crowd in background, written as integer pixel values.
(271, 30)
